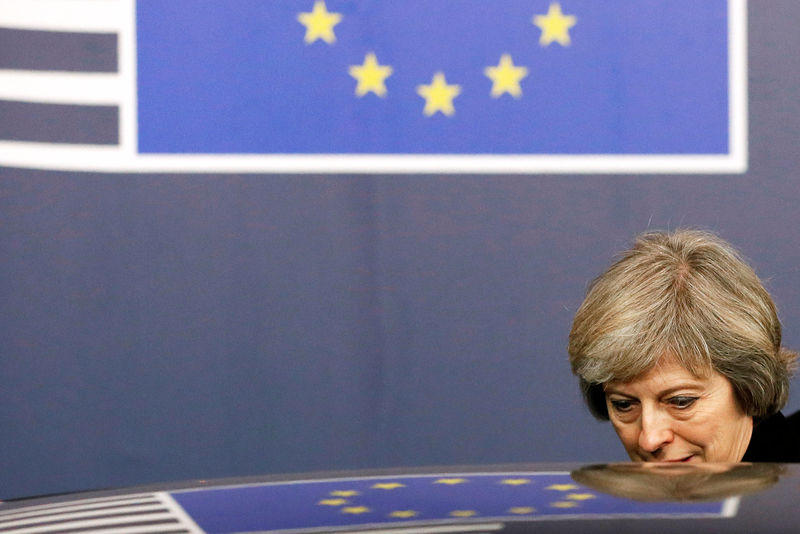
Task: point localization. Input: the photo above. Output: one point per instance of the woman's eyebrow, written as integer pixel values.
(662, 393)
(686, 385)
(611, 389)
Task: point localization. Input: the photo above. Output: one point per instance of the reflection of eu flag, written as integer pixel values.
(422, 77)
(424, 500)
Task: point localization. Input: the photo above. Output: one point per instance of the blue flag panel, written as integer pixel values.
(421, 77)
(415, 500)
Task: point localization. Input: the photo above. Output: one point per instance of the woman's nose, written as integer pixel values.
(656, 430)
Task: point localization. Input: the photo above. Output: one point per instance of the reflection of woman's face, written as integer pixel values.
(670, 415)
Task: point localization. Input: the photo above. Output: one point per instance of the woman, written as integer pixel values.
(679, 345)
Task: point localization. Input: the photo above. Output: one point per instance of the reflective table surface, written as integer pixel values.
(609, 498)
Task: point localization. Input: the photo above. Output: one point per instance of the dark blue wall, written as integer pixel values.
(160, 327)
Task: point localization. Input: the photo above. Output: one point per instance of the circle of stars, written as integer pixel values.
(569, 496)
(371, 75)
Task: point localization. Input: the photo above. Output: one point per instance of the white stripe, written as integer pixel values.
(731, 507)
(126, 53)
(94, 523)
(376, 477)
(69, 516)
(186, 521)
(151, 529)
(90, 16)
(737, 81)
(81, 504)
(122, 159)
(87, 88)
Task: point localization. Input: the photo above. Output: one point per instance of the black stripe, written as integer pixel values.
(59, 123)
(39, 521)
(166, 523)
(144, 498)
(75, 507)
(41, 50)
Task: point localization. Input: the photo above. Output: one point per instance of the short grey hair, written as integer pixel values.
(689, 295)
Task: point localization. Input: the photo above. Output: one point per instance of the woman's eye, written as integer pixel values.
(622, 405)
(682, 402)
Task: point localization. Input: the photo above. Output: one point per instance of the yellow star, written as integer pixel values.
(450, 481)
(562, 487)
(344, 493)
(388, 485)
(403, 514)
(564, 504)
(521, 510)
(506, 77)
(332, 502)
(463, 513)
(438, 96)
(319, 23)
(555, 25)
(370, 76)
(580, 496)
(355, 510)
(515, 481)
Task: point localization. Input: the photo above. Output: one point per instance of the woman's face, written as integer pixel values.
(670, 415)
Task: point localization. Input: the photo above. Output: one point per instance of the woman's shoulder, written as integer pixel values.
(775, 439)
(794, 421)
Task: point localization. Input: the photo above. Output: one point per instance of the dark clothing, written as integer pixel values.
(775, 439)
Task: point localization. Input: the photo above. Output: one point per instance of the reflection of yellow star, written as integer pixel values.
(388, 485)
(319, 23)
(438, 95)
(450, 481)
(555, 25)
(521, 510)
(580, 496)
(332, 502)
(370, 76)
(403, 514)
(344, 493)
(355, 510)
(463, 513)
(562, 487)
(515, 481)
(506, 77)
(564, 504)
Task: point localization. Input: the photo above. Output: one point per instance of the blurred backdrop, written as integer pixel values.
(179, 325)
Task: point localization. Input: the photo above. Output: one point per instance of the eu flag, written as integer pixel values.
(452, 502)
(531, 77)
(462, 86)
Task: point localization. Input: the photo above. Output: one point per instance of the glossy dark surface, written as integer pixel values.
(521, 498)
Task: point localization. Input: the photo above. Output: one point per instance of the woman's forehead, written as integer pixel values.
(666, 372)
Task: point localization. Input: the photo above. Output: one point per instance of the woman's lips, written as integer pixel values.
(680, 460)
